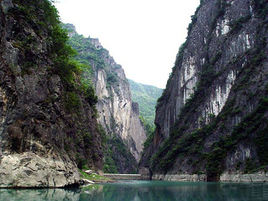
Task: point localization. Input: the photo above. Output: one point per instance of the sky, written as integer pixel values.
(143, 36)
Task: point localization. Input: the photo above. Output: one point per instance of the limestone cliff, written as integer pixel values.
(212, 116)
(48, 125)
(116, 110)
(118, 114)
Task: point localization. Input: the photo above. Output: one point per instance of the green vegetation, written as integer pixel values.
(43, 17)
(120, 146)
(250, 166)
(117, 158)
(103, 134)
(148, 140)
(109, 163)
(91, 54)
(84, 138)
(81, 162)
(112, 79)
(117, 153)
(146, 96)
(88, 53)
(178, 146)
(149, 128)
(72, 101)
(93, 177)
(46, 20)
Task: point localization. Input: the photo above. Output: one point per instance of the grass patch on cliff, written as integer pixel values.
(72, 101)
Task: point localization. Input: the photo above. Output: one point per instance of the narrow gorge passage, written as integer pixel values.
(69, 115)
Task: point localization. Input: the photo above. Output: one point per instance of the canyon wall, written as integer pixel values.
(212, 116)
(48, 125)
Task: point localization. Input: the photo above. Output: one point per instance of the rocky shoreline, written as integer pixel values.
(29, 170)
(259, 177)
(180, 177)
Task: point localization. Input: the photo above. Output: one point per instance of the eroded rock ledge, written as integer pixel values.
(258, 177)
(29, 170)
(180, 177)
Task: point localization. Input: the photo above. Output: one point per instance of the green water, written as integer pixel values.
(145, 191)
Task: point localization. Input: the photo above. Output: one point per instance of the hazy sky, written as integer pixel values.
(143, 36)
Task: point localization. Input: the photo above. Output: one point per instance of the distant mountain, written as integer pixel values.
(146, 96)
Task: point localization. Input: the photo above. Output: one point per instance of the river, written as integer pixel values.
(145, 191)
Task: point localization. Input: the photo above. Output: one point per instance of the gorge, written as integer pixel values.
(67, 106)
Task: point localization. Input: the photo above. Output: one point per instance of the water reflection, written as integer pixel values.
(147, 191)
(39, 194)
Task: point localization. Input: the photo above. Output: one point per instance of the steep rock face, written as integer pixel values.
(118, 114)
(42, 139)
(212, 116)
